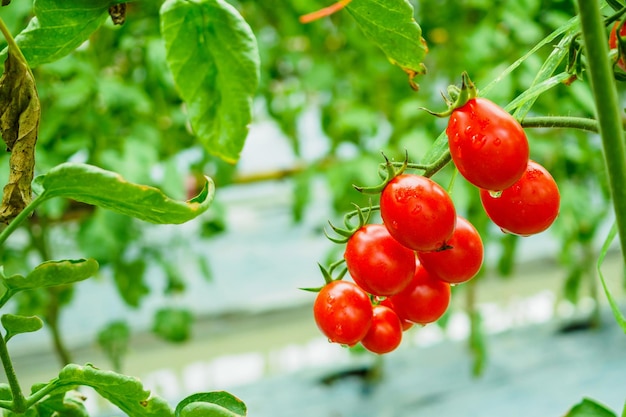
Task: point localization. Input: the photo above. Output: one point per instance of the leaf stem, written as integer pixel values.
(23, 215)
(607, 107)
(19, 402)
(13, 45)
(581, 123)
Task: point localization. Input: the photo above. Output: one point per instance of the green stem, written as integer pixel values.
(13, 45)
(581, 123)
(19, 402)
(23, 215)
(607, 107)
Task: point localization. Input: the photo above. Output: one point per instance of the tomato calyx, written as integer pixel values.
(346, 232)
(389, 172)
(457, 97)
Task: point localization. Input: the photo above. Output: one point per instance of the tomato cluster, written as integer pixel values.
(402, 269)
(490, 149)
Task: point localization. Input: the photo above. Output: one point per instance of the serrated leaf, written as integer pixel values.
(211, 404)
(390, 25)
(125, 392)
(59, 27)
(15, 324)
(589, 408)
(99, 187)
(213, 56)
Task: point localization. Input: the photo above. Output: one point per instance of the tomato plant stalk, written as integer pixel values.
(607, 107)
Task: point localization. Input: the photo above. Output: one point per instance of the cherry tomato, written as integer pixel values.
(377, 262)
(613, 42)
(385, 333)
(406, 325)
(424, 300)
(418, 212)
(462, 259)
(343, 312)
(487, 145)
(530, 206)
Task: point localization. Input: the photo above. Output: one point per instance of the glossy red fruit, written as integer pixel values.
(343, 312)
(377, 262)
(424, 300)
(406, 325)
(385, 333)
(463, 258)
(487, 145)
(418, 212)
(528, 207)
(613, 42)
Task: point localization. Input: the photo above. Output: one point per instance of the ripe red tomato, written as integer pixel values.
(528, 207)
(377, 262)
(424, 300)
(418, 212)
(462, 261)
(487, 145)
(385, 333)
(343, 312)
(406, 325)
(613, 42)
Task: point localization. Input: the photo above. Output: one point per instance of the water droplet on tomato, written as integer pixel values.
(478, 141)
(394, 225)
(497, 142)
(416, 209)
(495, 194)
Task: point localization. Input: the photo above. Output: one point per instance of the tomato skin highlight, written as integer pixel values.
(377, 262)
(462, 261)
(418, 212)
(424, 300)
(343, 312)
(488, 146)
(385, 333)
(529, 207)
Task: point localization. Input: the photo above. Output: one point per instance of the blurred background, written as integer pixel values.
(216, 304)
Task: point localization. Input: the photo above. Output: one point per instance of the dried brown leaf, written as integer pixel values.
(19, 125)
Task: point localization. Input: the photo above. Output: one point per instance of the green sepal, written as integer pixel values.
(389, 172)
(457, 97)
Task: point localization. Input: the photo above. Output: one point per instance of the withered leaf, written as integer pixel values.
(118, 13)
(19, 125)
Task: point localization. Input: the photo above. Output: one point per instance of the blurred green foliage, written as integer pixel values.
(112, 103)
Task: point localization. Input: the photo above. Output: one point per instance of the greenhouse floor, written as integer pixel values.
(276, 361)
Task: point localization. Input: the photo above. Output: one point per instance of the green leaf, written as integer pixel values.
(96, 186)
(59, 27)
(67, 404)
(173, 324)
(391, 26)
(52, 273)
(113, 340)
(619, 317)
(211, 404)
(589, 408)
(125, 392)
(20, 324)
(214, 58)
